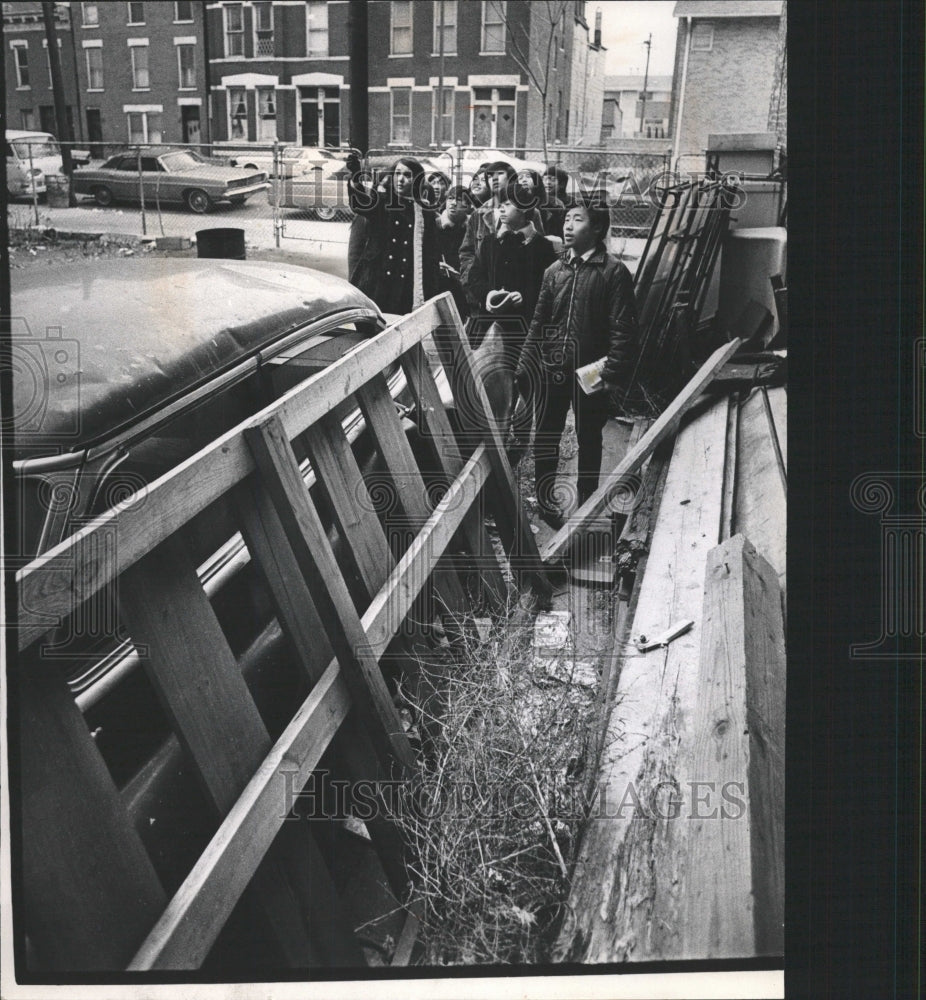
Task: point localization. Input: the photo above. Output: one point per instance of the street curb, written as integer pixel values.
(50, 232)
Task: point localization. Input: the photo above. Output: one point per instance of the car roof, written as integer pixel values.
(17, 133)
(150, 331)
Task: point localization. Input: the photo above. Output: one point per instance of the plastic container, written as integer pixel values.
(227, 244)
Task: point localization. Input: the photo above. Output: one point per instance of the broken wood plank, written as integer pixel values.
(760, 503)
(663, 427)
(735, 869)
(624, 899)
(729, 467)
(306, 535)
(634, 540)
(89, 891)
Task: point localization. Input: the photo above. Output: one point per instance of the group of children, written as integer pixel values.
(554, 312)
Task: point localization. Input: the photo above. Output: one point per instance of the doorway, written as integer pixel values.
(189, 121)
(494, 116)
(321, 116)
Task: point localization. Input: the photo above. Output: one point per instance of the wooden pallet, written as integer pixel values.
(92, 899)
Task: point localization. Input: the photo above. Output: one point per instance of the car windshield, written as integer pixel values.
(180, 160)
(37, 147)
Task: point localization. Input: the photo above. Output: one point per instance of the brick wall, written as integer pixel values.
(728, 88)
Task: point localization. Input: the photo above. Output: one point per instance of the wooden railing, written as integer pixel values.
(92, 898)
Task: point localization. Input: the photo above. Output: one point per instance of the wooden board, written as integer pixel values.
(734, 876)
(760, 505)
(624, 902)
(663, 427)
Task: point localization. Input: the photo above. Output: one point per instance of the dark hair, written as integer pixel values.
(418, 179)
(497, 166)
(596, 206)
(562, 178)
(461, 194)
(523, 197)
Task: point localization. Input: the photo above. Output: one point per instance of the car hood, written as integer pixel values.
(99, 346)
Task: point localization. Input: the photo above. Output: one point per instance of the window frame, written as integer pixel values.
(135, 87)
(183, 20)
(312, 9)
(451, 114)
(128, 13)
(180, 83)
(410, 28)
(260, 33)
(393, 91)
(231, 117)
(500, 8)
(21, 69)
(146, 127)
(91, 89)
(85, 22)
(706, 27)
(228, 33)
(448, 5)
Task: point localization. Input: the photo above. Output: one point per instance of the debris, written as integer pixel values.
(673, 632)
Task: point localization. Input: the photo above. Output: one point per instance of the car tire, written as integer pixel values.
(198, 201)
(250, 166)
(103, 195)
(326, 212)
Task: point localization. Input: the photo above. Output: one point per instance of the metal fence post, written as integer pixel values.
(141, 195)
(278, 180)
(35, 195)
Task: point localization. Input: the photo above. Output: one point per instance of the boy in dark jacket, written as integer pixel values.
(451, 226)
(586, 310)
(512, 260)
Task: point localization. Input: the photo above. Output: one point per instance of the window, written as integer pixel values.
(450, 26)
(144, 126)
(234, 30)
(442, 130)
(186, 66)
(183, 11)
(401, 114)
(237, 114)
(21, 63)
(140, 79)
(89, 15)
(702, 37)
(266, 114)
(401, 28)
(493, 26)
(94, 68)
(27, 119)
(136, 13)
(263, 29)
(317, 29)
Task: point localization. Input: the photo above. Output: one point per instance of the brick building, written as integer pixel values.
(30, 103)
(728, 65)
(623, 106)
(281, 70)
(141, 71)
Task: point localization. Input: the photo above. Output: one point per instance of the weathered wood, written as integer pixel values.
(759, 509)
(89, 890)
(777, 397)
(306, 535)
(218, 725)
(435, 426)
(634, 540)
(625, 899)
(385, 428)
(49, 587)
(729, 467)
(663, 427)
(735, 866)
(192, 921)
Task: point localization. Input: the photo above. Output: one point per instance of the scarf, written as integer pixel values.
(418, 258)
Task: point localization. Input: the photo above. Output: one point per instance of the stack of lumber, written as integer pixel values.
(682, 857)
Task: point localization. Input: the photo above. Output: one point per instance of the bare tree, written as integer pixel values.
(532, 44)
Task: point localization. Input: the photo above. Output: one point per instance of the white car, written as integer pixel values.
(292, 161)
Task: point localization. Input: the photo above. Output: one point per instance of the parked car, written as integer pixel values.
(168, 176)
(127, 368)
(29, 157)
(318, 185)
(292, 161)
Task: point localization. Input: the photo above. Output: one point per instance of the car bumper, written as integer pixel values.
(233, 194)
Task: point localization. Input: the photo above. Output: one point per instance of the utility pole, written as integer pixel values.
(359, 75)
(54, 61)
(439, 133)
(647, 43)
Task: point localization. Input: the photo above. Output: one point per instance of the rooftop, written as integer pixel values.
(728, 8)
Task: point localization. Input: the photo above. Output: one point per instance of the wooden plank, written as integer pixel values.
(50, 587)
(435, 426)
(191, 922)
(338, 474)
(306, 535)
(211, 710)
(778, 402)
(89, 890)
(625, 895)
(729, 467)
(735, 869)
(773, 436)
(389, 437)
(663, 427)
(459, 363)
(634, 540)
(760, 504)
(406, 943)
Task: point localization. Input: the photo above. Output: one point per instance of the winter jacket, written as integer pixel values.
(586, 310)
(478, 226)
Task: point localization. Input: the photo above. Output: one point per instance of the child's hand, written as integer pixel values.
(514, 299)
(497, 299)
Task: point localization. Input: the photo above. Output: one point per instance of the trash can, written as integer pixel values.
(224, 243)
(57, 189)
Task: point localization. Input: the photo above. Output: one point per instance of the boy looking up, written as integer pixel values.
(586, 310)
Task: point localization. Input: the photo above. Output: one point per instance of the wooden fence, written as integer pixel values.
(91, 898)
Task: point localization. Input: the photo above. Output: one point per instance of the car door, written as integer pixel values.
(123, 178)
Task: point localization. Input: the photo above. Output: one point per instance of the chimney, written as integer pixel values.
(598, 28)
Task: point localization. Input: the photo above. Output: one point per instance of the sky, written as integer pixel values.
(625, 25)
